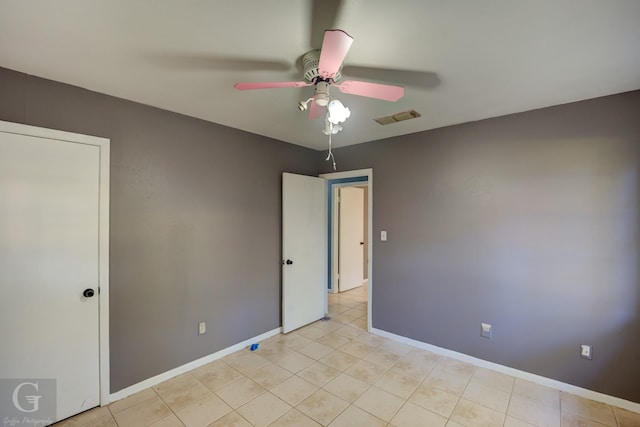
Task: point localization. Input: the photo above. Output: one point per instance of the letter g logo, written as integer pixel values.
(33, 400)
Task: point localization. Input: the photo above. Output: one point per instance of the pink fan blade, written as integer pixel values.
(335, 46)
(372, 90)
(269, 85)
(315, 111)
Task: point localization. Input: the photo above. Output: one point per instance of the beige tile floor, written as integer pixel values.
(334, 373)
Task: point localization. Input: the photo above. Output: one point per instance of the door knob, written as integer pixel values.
(88, 293)
(289, 262)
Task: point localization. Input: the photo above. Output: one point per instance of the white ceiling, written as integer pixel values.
(478, 59)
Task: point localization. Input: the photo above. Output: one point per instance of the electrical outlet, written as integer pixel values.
(485, 330)
(585, 352)
(202, 328)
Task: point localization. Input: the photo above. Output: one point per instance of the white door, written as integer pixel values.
(351, 238)
(49, 203)
(304, 250)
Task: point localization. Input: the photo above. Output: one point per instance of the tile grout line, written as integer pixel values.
(506, 414)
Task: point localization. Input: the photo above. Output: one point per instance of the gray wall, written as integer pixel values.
(528, 222)
(195, 222)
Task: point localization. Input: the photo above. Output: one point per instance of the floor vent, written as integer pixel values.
(398, 117)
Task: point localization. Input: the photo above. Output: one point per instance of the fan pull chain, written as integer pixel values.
(330, 155)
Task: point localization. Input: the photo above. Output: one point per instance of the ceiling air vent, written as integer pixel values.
(398, 117)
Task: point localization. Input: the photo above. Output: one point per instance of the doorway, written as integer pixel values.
(353, 305)
(299, 262)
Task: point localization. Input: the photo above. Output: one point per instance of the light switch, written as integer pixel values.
(485, 330)
(383, 235)
(585, 352)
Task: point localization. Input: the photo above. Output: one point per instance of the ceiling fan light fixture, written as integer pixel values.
(330, 128)
(337, 112)
(302, 105)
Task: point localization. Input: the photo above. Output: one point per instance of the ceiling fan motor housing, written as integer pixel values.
(321, 96)
(310, 61)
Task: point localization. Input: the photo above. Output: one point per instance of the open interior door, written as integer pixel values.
(351, 240)
(304, 250)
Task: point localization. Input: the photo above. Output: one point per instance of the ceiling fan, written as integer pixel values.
(322, 69)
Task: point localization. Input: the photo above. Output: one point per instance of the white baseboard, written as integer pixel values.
(548, 382)
(150, 382)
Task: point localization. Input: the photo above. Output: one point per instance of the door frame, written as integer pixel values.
(358, 173)
(103, 235)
